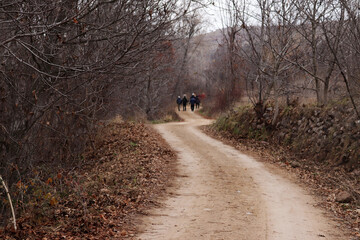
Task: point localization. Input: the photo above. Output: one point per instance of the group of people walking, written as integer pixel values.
(194, 102)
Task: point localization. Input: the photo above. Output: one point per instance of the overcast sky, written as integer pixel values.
(213, 15)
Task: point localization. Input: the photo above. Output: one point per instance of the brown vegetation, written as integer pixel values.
(67, 65)
(284, 50)
(129, 166)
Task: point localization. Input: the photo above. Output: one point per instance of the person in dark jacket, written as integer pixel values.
(179, 101)
(192, 101)
(197, 101)
(184, 102)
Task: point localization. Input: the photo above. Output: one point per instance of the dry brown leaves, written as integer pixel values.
(129, 167)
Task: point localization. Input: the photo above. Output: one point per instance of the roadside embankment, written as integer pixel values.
(322, 145)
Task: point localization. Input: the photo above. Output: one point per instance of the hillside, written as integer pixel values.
(205, 45)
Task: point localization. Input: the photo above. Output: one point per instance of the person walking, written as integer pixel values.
(179, 101)
(184, 102)
(197, 101)
(192, 101)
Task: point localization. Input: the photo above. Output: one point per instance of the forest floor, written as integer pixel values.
(125, 171)
(222, 193)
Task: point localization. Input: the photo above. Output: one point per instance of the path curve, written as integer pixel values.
(221, 193)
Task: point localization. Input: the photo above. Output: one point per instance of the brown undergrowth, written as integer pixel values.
(125, 171)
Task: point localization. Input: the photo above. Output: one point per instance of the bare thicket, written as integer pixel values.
(293, 48)
(223, 74)
(190, 26)
(345, 51)
(67, 64)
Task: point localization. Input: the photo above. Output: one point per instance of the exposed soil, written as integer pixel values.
(221, 193)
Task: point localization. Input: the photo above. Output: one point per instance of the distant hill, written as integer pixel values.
(205, 46)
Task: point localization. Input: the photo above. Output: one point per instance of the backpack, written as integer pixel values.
(197, 100)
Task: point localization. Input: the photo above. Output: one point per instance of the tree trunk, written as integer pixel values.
(276, 98)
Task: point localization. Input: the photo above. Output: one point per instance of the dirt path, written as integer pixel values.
(223, 194)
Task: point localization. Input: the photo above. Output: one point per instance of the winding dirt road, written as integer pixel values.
(221, 193)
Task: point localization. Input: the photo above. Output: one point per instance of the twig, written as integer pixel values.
(11, 206)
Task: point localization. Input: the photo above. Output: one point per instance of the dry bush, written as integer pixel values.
(66, 65)
(121, 176)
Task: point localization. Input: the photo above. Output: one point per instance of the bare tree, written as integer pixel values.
(67, 64)
(343, 41)
(187, 30)
(231, 28)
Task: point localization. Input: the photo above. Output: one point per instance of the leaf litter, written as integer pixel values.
(121, 176)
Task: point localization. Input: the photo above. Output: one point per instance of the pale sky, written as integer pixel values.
(213, 14)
